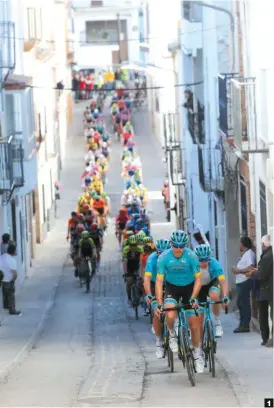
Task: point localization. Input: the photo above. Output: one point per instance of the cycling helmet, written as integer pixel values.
(142, 234)
(162, 244)
(94, 226)
(203, 252)
(80, 217)
(133, 240)
(73, 214)
(147, 240)
(80, 228)
(85, 207)
(179, 237)
(129, 233)
(84, 234)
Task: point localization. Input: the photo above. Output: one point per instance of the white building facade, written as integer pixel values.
(108, 32)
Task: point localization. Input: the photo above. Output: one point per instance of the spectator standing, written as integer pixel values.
(76, 87)
(89, 84)
(83, 86)
(5, 243)
(244, 284)
(9, 269)
(264, 274)
(166, 195)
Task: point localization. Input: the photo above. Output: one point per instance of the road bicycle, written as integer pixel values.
(135, 295)
(209, 343)
(185, 350)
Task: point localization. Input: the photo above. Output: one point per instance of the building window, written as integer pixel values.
(243, 206)
(33, 203)
(21, 235)
(44, 203)
(263, 209)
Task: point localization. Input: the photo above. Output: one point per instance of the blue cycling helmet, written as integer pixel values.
(203, 252)
(162, 244)
(179, 237)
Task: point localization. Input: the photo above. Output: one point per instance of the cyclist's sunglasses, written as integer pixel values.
(177, 246)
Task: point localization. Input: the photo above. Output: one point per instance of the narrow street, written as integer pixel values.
(92, 351)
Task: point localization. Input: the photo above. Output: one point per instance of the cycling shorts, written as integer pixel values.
(133, 266)
(213, 285)
(173, 293)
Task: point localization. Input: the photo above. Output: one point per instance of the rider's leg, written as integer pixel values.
(129, 282)
(215, 294)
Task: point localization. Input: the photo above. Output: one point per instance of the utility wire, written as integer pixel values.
(187, 85)
(95, 42)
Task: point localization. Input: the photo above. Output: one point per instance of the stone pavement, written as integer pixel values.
(90, 350)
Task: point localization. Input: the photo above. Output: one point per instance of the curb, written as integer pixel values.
(22, 354)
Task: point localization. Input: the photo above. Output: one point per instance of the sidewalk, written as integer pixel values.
(249, 365)
(36, 295)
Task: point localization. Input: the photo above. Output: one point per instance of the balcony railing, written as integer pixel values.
(7, 45)
(11, 166)
(34, 28)
(238, 113)
(196, 125)
(210, 170)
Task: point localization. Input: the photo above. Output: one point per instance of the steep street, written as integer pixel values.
(90, 350)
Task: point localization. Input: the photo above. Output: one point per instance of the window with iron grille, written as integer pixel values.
(243, 205)
(263, 208)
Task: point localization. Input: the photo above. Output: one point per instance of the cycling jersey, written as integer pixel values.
(96, 237)
(151, 266)
(98, 204)
(86, 246)
(72, 223)
(178, 271)
(131, 254)
(213, 272)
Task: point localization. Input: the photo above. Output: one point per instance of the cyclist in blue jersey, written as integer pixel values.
(180, 268)
(213, 284)
(161, 245)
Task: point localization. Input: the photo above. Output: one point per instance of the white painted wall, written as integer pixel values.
(259, 63)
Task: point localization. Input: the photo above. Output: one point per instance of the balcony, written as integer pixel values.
(210, 170)
(191, 26)
(34, 28)
(196, 124)
(11, 166)
(7, 45)
(238, 114)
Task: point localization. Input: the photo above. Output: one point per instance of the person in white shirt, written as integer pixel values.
(9, 269)
(244, 283)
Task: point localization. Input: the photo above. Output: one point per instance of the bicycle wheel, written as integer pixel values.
(151, 315)
(169, 352)
(210, 347)
(189, 362)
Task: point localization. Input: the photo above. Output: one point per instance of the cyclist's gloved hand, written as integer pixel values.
(159, 310)
(148, 298)
(226, 300)
(194, 302)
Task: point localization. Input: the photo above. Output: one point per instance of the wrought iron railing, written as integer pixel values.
(210, 173)
(11, 166)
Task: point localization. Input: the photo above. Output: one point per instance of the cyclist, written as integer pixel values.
(72, 222)
(149, 286)
(87, 250)
(134, 209)
(99, 205)
(149, 248)
(131, 262)
(128, 128)
(213, 284)
(180, 268)
(128, 234)
(96, 234)
(121, 220)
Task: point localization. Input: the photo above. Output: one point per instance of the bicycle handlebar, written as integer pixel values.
(207, 303)
(181, 306)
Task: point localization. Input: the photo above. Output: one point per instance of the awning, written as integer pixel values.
(20, 81)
